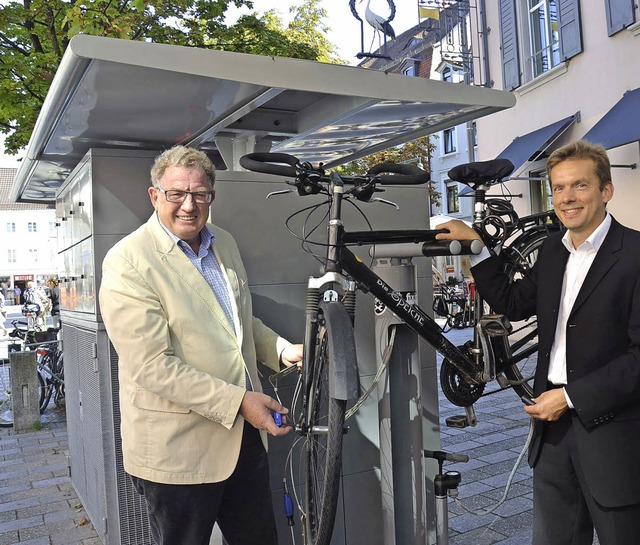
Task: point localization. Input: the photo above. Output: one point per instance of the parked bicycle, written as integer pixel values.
(455, 302)
(49, 365)
(329, 377)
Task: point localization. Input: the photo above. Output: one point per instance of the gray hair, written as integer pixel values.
(182, 156)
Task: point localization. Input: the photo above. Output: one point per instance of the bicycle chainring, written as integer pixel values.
(456, 388)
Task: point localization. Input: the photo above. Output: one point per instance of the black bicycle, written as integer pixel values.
(329, 377)
(49, 366)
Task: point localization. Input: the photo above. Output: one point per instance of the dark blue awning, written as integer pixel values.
(620, 125)
(532, 146)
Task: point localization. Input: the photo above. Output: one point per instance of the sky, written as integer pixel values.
(344, 28)
(344, 31)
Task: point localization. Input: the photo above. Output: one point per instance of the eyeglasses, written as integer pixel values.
(175, 195)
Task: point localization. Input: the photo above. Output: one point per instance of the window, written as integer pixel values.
(410, 69)
(11, 256)
(544, 36)
(536, 36)
(32, 227)
(452, 74)
(33, 255)
(449, 141)
(474, 133)
(452, 198)
(540, 191)
(11, 227)
(52, 226)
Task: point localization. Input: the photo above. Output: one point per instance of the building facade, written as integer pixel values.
(27, 241)
(573, 66)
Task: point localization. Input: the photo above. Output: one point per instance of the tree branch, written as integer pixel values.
(27, 87)
(9, 44)
(51, 25)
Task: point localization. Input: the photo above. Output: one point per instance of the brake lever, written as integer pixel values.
(281, 192)
(385, 201)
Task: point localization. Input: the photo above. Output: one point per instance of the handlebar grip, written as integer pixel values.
(441, 247)
(471, 247)
(406, 174)
(441, 455)
(264, 162)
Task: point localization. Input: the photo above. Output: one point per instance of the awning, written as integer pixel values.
(620, 125)
(532, 146)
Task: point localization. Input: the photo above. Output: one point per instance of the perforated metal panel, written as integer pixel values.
(74, 413)
(133, 518)
(116, 510)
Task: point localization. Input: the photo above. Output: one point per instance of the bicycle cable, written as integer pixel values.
(507, 486)
(376, 379)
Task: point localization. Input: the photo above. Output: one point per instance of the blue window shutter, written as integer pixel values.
(620, 14)
(509, 45)
(569, 27)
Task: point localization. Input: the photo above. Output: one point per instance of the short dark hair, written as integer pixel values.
(182, 156)
(581, 149)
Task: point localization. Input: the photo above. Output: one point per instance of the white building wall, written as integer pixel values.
(35, 251)
(590, 83)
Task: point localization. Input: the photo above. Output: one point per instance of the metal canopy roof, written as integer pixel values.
(111, 93)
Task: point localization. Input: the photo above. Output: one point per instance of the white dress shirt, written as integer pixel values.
(578, 265)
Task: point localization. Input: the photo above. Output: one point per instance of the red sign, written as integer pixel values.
(22, 277)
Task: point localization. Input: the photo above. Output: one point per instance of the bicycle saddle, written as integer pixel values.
(481, 172)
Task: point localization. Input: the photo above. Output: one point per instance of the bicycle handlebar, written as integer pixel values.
(283, 164)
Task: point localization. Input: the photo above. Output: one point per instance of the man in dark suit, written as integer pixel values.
(585, 290)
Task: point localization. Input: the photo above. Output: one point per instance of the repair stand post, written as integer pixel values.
(400, 417)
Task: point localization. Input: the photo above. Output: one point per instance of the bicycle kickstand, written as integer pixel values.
(445, 485)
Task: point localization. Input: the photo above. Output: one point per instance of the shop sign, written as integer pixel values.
(22, 277)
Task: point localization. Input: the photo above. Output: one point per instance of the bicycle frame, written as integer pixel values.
(340, 259)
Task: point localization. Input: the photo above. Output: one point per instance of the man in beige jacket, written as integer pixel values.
(177, 308)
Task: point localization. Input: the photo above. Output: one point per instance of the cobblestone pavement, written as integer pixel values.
(38, 505)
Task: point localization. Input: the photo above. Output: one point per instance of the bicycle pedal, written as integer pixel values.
(457, 421)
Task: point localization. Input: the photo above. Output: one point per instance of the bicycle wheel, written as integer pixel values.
(324, 434)
(6, 400)
(45, 367)
(523, 342)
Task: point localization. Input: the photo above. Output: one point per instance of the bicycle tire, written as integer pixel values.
(527, 254)
(6, 403)
(48, 364)
(323, 451)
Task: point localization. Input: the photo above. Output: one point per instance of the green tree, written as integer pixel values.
(34, 35)
(416, 152)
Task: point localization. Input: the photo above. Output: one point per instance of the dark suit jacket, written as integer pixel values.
(603, 353)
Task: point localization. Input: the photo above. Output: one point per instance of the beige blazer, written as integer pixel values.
(181, 364)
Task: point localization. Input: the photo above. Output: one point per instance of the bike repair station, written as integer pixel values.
(112, 107)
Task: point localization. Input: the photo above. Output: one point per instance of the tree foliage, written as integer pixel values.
(34, 35)
(416, 152)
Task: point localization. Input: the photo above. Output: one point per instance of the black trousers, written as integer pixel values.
(564, 511)
(241, 505)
